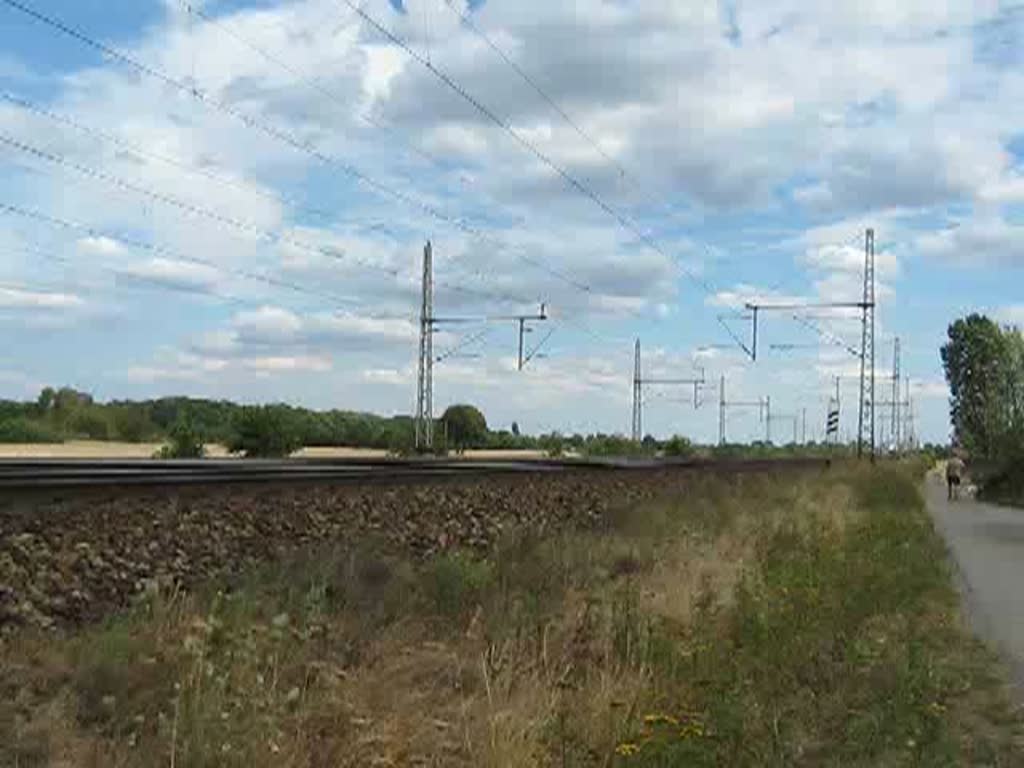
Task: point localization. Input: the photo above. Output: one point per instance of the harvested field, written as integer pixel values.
(87, 449)
(97, 449)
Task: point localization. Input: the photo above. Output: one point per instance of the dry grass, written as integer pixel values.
(753, 622)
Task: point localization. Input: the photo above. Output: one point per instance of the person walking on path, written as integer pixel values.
(954, 476)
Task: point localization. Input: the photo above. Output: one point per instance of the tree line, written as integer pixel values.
(186, 425)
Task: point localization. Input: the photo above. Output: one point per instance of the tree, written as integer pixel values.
(979, 364)
(264, 431)
(678, 446)
(466, 427)
(515, 428)
(46, 399)
(186, 442)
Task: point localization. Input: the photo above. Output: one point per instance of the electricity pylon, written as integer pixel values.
(639, 382)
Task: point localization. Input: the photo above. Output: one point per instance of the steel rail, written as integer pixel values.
(18, 474)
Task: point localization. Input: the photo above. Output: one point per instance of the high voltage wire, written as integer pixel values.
(306, 147)
(197, 210)
(467, 20)
(270, 131)
(182, 165)
(159, 250)
(525, 143)
(184, 205)
(304, 79)
(153, 282)
(330, 94)
(284, 137)
(623, 173)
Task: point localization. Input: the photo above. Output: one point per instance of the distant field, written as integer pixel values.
(94, 449)
(88, 449)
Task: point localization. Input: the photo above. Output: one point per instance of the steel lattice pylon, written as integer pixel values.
(425, 373)
(866, 416)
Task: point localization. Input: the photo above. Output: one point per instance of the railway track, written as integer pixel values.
(27, 474)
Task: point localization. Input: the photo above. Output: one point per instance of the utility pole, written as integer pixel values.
(639, 382)
(425, 371)
(768, 421)
(522, 320)
(721, 411)
(866, 414)
(638, 425)
(724, 404)
(908, 431)
(895, 424)
(803, 428)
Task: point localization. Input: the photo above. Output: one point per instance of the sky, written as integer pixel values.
(231, 199)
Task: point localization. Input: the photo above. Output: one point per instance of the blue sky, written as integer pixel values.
(166, 241)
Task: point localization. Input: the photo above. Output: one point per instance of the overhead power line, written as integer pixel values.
(574, 183)
(623, 173)
(460, 224)
(471, 25)
(135, 149)
(160, 250)
(184, 205)
(272, 132)
(304, 79)
(129, 186)
(156, 283)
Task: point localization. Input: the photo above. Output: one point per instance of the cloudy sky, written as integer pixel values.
(231, 198)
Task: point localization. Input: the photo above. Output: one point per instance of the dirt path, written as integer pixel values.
(987, 543)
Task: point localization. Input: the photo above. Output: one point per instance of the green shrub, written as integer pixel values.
(465, 427)
(89, 422)
(185, 441)
(131, 423)
(22, 430)
(264, 431)
(678, 447)
(456, 582)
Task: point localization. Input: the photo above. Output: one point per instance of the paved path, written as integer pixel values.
(987, 542)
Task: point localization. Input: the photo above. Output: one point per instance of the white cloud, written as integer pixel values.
(1009, 189)
(740, 295)
(984, 240)
(18, 298)
(177, 274)
(100, 246)
(390, 376)
(1011, 315)
(931, 389)
(310, 364)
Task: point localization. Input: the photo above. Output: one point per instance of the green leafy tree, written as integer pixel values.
(24, 430)
(678, 446)
(46, 399)
(185, 441)
(87, 421)
(264, 431)
(466, 427)
(979, 362)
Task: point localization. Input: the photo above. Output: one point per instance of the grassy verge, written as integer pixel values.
(800, 621)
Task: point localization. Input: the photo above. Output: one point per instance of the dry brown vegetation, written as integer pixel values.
(751, 621)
